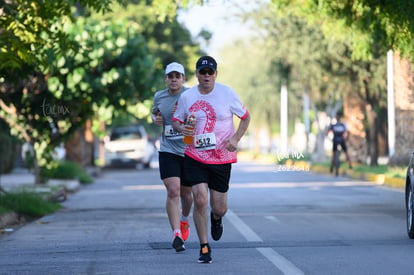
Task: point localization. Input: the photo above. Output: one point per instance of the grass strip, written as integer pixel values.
(27, 203)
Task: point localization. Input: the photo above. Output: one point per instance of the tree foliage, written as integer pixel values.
(289, 49)
(166, 39)
(367, 24)
(110, 69)
(28, 26)
(368, 29)
(57, 72)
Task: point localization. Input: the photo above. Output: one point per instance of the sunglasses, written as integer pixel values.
(204, 72)
(174, 75)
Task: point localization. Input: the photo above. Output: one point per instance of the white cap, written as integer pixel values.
(174, 67)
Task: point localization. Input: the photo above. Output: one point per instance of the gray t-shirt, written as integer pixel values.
(171, 141)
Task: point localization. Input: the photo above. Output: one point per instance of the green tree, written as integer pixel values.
(366, 24)
(55, 75)
(325, 68)
(110, 68)
(28, 26)
(166, 38)
(369, 28)
(298, 53)
(28, 30)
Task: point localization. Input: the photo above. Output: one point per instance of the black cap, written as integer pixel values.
(206, 62)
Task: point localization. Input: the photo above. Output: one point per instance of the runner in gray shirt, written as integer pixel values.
(171, 155)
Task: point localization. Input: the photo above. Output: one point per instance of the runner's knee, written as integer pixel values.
(219, 212)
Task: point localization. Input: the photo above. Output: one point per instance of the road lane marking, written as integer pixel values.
(301, 184)
(243, 228)
(255, 185)
(144, 187)
(272, 218)
(275, 258)
(279, 261)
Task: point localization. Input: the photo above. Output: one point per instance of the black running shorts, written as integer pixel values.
(216, 175)
(171, 165)
(336, 144)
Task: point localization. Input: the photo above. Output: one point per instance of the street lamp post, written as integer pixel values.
(390, 102)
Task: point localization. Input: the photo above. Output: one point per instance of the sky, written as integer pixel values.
(216, 16)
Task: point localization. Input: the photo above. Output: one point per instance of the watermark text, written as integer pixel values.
(291, 161)
(53, 109)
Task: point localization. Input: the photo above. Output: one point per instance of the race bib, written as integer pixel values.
(171, 134)
(204, 142)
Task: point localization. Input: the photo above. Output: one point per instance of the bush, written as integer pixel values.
(27, 203)
(66, 170)
(3, 210)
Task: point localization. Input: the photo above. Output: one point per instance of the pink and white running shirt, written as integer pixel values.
(214, 122)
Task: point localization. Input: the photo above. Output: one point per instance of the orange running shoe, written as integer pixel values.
(185, 229)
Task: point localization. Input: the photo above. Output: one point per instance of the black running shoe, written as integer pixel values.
(216, 227)
(178, 244)
(205, 255)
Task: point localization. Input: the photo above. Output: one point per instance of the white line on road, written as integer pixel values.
(272, 218)
(278, 260)
(255, 185)
(243, 228)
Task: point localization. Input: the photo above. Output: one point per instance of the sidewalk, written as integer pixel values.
(18, 177)
(23, 178)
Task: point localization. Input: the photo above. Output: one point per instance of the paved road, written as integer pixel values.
(279, 222)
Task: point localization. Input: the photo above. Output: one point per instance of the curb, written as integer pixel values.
(376, 178)
(8, 219)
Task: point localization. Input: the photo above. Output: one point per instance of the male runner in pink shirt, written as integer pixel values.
(207, 161)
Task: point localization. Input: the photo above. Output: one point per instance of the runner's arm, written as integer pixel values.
(231, 144)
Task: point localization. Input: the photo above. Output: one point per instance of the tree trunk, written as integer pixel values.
(372, 135)
(354, 118)
(404, 111)
(319, 153)
(36, 167)
(80, 147)
(319, 150)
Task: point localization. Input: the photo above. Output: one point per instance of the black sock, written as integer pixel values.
(204, 248)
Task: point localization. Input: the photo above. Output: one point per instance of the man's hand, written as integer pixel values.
(231, 144)
(187, 130)
(158, 119)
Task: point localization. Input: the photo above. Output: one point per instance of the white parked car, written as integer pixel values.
(128, 145)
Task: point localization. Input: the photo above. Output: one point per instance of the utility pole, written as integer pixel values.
(391, 104)
(306, 118)
(283, 119)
